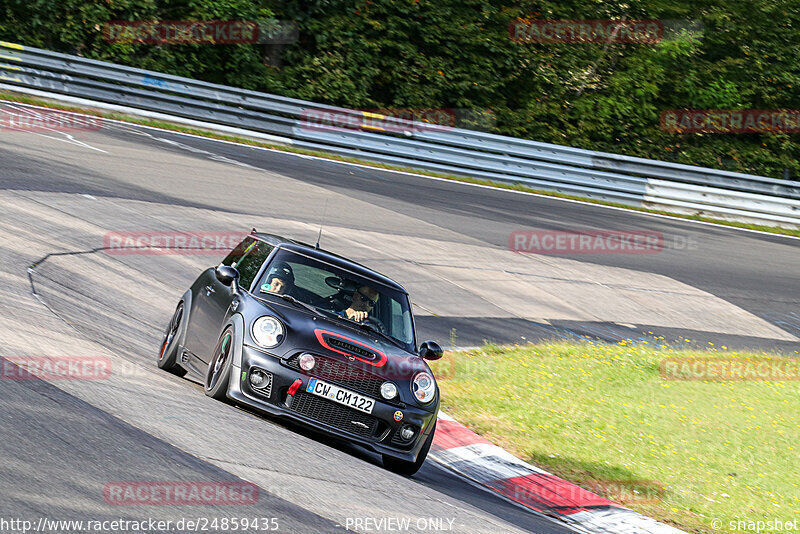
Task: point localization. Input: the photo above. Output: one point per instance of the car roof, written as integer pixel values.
(329, 257)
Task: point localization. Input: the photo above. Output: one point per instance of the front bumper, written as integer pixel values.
(377, 431)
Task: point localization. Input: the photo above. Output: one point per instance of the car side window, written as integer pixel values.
(400, 322)
(236, 254)
(248, 260)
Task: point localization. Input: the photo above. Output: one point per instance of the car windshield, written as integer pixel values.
(340, 293)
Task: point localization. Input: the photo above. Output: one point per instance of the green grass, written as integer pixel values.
(601, 416)
(21, 98)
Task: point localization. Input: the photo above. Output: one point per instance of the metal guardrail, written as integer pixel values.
(611, 177)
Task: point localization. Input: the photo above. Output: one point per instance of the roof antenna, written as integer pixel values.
(316, 245)
(324, 212)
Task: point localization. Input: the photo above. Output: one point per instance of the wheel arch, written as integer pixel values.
(187, 316)
(236, 321)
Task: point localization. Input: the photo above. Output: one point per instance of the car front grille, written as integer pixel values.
(334, 414)
(343, 374)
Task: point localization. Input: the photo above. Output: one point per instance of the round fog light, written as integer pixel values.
(388, 390)
(407, 432)
(257, 378)
(307, 362)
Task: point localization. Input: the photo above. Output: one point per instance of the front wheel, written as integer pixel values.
(402, 467)
(168, 354)
(219, 368)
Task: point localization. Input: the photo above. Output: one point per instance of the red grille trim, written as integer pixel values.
(321, 338)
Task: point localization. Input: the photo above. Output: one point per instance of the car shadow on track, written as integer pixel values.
(432, 476)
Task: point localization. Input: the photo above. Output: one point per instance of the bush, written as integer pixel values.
(458, 54)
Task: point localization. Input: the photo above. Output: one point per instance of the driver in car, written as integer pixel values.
(280, 280)
(364, 299)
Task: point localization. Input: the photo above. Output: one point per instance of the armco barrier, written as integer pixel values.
(621, 179)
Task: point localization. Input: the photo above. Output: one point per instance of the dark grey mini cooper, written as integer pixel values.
(301, 333)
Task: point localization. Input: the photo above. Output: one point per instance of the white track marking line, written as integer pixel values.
(70, 139)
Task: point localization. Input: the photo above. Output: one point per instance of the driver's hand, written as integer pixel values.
(359, 316)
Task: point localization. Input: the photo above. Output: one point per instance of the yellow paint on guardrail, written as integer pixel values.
(15, 46)
(373, 116)
(9, 58)
(9, 67)
(10, 79)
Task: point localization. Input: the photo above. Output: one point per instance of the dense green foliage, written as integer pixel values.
(458, 54)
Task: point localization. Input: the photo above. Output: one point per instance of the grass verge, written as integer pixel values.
(683, 452)
(133, 119)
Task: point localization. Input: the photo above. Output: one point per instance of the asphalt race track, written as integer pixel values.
(62, 442)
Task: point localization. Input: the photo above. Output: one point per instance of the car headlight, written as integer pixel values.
(268, 332)
(423, 387)
(388, 390)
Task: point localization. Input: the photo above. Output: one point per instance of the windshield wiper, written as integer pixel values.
(289, 298)
(309, 307)
(367, 326)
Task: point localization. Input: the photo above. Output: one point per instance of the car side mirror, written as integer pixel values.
(430, 350)
(226, 274)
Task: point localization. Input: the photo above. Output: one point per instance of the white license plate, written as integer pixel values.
(340, 395)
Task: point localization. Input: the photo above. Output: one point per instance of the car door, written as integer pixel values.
(213, 299)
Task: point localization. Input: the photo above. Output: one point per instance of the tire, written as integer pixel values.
(219, 368)
(402, 467)
(168, 354)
